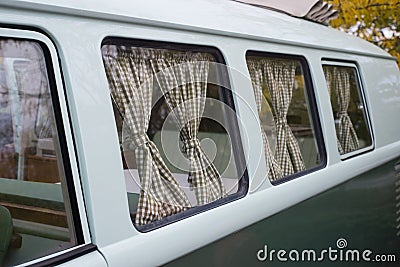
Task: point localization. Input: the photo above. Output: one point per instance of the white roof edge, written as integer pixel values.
(296, 32)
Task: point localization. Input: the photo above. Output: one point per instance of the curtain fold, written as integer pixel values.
(346, 133)
(280, 77)
(131, 82)
(183, 80)
(256, 75)
(328, 78)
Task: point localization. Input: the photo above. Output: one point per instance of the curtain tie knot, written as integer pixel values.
(342, 113)
(140, 140)
(189, 144)
(281, 121)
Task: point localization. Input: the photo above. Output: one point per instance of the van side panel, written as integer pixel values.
(362, 211)
(381, 81)
(91, 259)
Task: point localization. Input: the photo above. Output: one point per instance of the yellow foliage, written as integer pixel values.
(377, 21)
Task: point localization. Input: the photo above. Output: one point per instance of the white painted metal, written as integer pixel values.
(222, 17)
(232, 28)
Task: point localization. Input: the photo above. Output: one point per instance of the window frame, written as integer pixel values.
(313, 110)
(66, 142)
(361, 94)
(226, 97)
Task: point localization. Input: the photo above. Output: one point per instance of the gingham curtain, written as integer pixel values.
(131, 84)
(346, 132)
(280, 77)
(256, 71)
(183, 80)
(328, 78)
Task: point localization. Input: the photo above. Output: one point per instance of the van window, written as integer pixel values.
(286, 121)
(36, 219)
(348, 108)
(178, 135)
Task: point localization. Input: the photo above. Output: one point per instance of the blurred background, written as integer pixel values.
(377, 21)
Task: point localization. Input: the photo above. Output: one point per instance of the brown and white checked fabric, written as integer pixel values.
(131, 83)
(256, 75)
(279, 77)
(183, 79)
(328, 77)
(346, 133)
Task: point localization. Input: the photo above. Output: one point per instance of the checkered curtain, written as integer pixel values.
(279, 78)
(131, 83)
(346, 133)
(256, 71)
(328, 78)
(183, 79)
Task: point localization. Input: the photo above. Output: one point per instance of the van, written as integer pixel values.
(209, 133)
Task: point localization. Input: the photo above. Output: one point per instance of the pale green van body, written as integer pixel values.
(353, 198)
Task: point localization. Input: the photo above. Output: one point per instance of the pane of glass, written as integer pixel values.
(164, 128)
(348, 108)
(32, 183)
(279, 85)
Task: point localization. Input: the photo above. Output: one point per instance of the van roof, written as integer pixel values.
(223, 17)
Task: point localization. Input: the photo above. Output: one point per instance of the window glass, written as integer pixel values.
(348, 108)
(35, 218)
(176, 131)
(288, 133)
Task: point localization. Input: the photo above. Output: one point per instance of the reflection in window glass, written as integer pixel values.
(281, 96)
(174, 129)
(35, 221)
(348, 108)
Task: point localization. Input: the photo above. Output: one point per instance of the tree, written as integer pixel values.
(377, 21)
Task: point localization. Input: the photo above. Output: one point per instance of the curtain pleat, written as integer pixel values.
(346, 133)
(131, 82)
(183, 80)
(328, 78)
(256, 75)
(279, 77)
